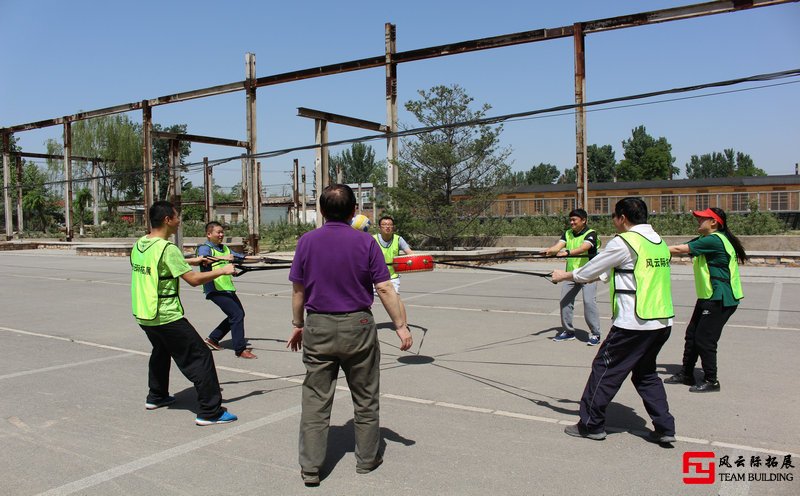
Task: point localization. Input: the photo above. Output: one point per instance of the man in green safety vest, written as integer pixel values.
(716, 255)
(641, 300)
(391, 245)
(577, 241)
(223, 293)
(156, 265)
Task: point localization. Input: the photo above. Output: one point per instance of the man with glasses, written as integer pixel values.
(391, 245)
(638, 260)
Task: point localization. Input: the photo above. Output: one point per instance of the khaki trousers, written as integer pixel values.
(331, 341)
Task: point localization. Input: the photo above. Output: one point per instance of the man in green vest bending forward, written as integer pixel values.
(579, 240)
(156, 265)
(641, 309)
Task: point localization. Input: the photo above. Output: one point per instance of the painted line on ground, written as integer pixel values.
(154, 459)
(775, 304)
(456, 287)
(63, 366)
(423, 401)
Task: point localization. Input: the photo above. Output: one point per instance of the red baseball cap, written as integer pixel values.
(709, 214)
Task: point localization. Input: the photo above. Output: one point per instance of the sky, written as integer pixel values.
(60, 58)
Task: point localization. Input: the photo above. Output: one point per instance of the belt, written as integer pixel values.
(314, 312)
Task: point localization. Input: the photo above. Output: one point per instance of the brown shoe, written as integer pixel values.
(214, 345)
(246, 354)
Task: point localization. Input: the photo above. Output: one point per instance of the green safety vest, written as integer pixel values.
(573, 243)
(390, 252)
(147, 287)
(224, 282)
(651, 271)
(702, 277)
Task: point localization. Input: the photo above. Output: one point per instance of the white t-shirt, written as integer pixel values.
(617, 254)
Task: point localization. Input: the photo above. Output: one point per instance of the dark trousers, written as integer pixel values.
(348, 341)
(233, 322)
(627, 352)
(179, 340)
(702, 336)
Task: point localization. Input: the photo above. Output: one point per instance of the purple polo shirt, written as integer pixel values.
(337, 265)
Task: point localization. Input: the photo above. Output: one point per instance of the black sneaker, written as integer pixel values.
(153, 405)
(580, 430)
(660, 438)
(705, 387)
(680, 378)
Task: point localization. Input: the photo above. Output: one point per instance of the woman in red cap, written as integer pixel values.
(715, 254)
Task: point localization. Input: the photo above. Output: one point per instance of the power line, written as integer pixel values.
(511, 117)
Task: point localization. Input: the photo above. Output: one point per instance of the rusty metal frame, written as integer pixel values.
(389, 60)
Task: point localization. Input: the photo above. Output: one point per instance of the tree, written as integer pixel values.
(538, 174)
(161, 170)
(12, 181)
(601, 163)
(38, 205)
(569, 176)
(117, 142)
(542, 174)
(358, 165)
(646, 158)
(83, 198)
(452, 160)
(725, 164)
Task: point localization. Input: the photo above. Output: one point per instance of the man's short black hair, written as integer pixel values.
(386, 217)
(634, 209)
(211, 225)
(579, 212)
(337, 202)
(159, 211)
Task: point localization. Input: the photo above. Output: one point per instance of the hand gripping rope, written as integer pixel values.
(266, 263)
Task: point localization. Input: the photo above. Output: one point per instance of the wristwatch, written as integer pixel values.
(299, 325)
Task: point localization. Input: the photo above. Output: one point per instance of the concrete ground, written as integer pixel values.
(477, 406)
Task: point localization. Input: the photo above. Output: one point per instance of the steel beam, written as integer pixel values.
(341, 119)
(211, 140)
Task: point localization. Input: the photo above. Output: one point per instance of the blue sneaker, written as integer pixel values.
(152, 405)
(225, 418)
(564, 336)
(594, 340)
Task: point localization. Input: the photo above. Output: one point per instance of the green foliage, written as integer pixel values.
(437, 164)
(118, 229)
(117, 142)
(569, 176)
(190, 213)
(358, 165)
(161, 157)
(601, 163)
(283, 235)
(646, 158)
(538, 174)
(39, 206)
(725, 164)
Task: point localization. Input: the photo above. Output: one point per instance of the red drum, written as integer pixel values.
(413, 263)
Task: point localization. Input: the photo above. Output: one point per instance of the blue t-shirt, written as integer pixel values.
(338, 265)
(205, 251)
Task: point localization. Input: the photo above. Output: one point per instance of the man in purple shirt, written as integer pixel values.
(333, 272)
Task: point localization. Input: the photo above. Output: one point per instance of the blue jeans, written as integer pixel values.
(233, 322)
